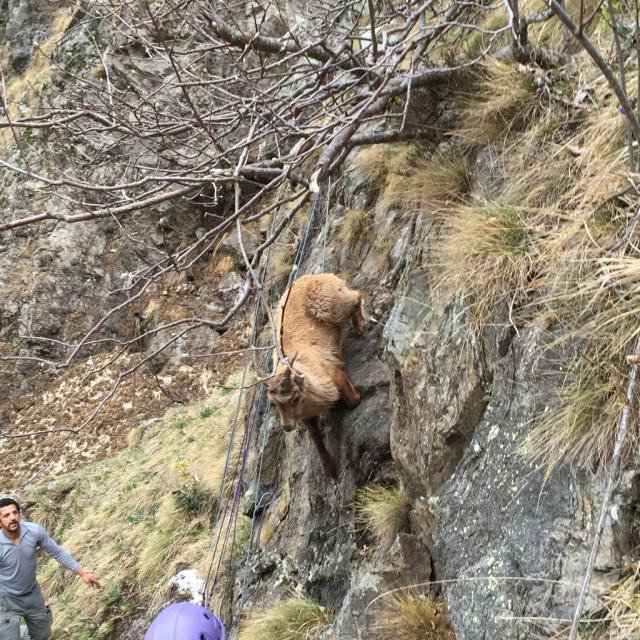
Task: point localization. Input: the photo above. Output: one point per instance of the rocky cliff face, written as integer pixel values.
(446, 412)
(444, 409)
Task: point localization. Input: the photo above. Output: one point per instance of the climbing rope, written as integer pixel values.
(258, 407)
(296, 271)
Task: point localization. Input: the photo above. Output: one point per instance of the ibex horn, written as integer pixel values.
(286, 380)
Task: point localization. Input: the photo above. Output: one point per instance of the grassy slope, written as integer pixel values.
(136, 519)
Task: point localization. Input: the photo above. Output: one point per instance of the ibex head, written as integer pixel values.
(286, 391)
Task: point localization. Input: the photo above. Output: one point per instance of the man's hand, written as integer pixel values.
(88, 579)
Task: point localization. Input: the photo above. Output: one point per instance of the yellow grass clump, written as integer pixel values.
(552, 33)
(379, 161)
(504, 99)
(408, 614)
(297, 618)
(596, 299)
(408, 185)
(603, 159)
(428, 185)
(357, 230)
(412, 182)
(382, 511)
(267, 531)
(486, 250)
(495, 19)
(539, 170)
(579, 432)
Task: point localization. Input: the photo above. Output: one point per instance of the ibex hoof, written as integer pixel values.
(352, 402)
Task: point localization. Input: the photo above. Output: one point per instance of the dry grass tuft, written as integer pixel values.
(428, 185)
(408, 614)
(538, 168)
(357, 230)
(595, 297)
(579, 432)
(297, 618)
(504, 99)
(573, 172)
(224, 265)
(267, 531)
(552, 33)
(383, 248)
(382, 511)
(478, 41)
(280, 264)
(379, 161)
(486, 249)
(590, 161)
(409, 184)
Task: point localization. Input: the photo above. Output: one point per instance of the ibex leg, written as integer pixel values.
(328, 464)
(347, 391)
(358, 319)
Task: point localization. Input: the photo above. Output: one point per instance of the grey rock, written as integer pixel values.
(231, 244)
(26, 27)
(407, 315)
(406, 562)
(256, 500)
(197, 341)
(511, 544)
(488, 175)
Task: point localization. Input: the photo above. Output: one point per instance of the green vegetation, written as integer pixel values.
(135, 520)
(207, 412)
(242, 534)
(192, 498)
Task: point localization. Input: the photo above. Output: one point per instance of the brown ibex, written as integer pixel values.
(311, 377)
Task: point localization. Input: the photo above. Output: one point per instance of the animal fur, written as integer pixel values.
(309, 321)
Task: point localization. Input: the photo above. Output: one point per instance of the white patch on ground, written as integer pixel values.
(189, 582)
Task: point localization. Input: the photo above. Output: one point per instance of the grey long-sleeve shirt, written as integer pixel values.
(18, 561)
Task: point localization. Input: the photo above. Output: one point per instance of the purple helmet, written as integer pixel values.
(185, 621)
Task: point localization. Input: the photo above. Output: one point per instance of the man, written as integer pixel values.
(20, 595)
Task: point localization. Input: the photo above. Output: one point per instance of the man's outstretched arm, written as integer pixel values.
(53, 549)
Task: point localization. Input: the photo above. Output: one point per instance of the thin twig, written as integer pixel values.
(614, 468)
